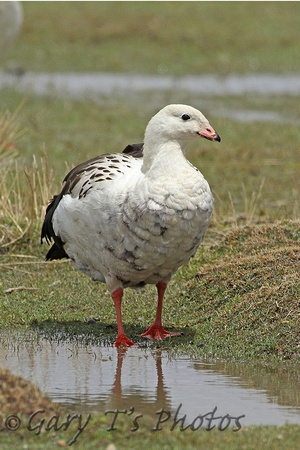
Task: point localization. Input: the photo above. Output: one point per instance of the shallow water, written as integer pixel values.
(78, 85)
(98, 378)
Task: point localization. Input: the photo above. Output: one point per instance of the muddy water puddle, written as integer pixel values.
(99, 378)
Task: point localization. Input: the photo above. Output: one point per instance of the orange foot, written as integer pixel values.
(158, 333)
(122, 339)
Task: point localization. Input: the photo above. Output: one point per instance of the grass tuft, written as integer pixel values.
(10, 134)
(25, 193)
(246, 294)
(22, 396)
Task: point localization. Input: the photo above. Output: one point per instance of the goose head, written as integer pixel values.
(172, 128)
(180, 123)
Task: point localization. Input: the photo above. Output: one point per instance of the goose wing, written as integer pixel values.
(79, 181)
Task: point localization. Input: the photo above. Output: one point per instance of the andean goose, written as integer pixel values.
(133, 218)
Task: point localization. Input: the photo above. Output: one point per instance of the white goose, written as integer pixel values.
(133, 218)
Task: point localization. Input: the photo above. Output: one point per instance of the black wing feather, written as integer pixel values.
(135, 150)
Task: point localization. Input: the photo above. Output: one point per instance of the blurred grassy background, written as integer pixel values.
(160, 37)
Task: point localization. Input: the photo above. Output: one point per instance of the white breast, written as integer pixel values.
(141, 228)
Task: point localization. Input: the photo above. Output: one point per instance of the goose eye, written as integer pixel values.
(185, 117)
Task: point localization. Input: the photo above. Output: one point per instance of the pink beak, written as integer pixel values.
(209, 133)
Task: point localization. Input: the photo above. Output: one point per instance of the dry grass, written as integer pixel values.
(228, 214)
(18, 200)
(10, 134)
(25, 191)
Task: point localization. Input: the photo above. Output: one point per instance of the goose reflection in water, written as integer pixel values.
(138, 398)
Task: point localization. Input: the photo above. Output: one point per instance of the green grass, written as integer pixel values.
(173, 37)
(96, 436)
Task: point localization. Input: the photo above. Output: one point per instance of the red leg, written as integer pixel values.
(122, 339)
(156, 330)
